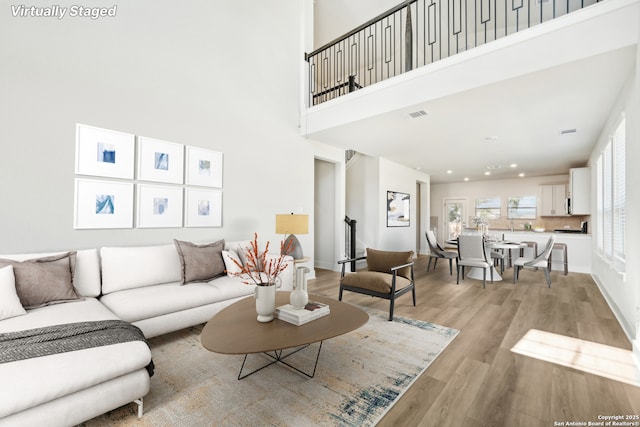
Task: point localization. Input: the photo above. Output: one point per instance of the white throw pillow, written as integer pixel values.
(229, 265)
(9, 302)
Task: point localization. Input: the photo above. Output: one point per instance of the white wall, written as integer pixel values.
(621, 291)
(362, 179)
(325, 220)
(334, 18)
(219, 75)
(368, 180)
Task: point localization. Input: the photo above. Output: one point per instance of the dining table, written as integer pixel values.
(475, 272)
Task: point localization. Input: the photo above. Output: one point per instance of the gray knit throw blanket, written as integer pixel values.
(68, 337)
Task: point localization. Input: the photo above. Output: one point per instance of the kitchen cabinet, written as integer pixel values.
(553, 200)
(580, 191)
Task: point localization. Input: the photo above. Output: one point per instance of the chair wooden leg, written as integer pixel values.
(429, 264)
(340, 294)
(458, 274)
(491, 270)
(450, 267)
(484, 278)
(413, 291)
(391, 301)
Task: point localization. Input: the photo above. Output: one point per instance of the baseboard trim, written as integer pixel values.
(636, 357)
(626, 328)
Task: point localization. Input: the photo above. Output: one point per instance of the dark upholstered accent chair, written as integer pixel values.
(388, 275)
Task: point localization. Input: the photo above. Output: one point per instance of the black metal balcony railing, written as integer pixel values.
(420, 32)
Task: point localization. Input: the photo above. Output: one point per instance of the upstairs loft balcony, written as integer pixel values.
(417, 33)
(338, 116)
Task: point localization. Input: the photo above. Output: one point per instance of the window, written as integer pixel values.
(488, 208)
(522, 207)
(610, 199)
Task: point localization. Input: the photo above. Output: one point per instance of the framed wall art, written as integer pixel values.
(160, 161)
(398, 209)
(103, 152)
(203, 208)
(204, 167)
(159, 206)
(103, 204)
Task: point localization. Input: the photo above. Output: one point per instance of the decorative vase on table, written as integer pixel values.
(265, 294)
(299, 296)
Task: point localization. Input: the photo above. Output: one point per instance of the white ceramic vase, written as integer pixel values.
(299, 296)
(265, 302)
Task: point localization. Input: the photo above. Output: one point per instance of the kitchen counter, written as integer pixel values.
(578, 247)
(546, 233)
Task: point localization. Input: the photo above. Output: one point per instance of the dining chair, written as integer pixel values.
(498, 256)
(436, 251)
(472, 253)
(539, 262)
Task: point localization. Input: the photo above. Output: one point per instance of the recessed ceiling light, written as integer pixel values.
(449, 171)
(521, 174)
(513, 165)
(466, 179)
(487, 173)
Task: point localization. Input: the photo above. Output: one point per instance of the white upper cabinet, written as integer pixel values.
(553, 200)
(580, 191)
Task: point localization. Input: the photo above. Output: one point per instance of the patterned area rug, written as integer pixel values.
(359, 377)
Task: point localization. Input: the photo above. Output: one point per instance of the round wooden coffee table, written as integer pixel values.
(235, 330)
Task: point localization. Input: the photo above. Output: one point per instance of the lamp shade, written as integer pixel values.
(292, 224)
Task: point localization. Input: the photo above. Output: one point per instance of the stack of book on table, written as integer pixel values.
(313, 310)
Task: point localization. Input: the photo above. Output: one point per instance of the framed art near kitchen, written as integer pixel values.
(103, 152)
(204, 167)
(203, 208)
(103, 204)
(160, 161)
(398, 209)
(159, 206)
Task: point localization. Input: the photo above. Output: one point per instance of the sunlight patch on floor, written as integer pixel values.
(587, 356)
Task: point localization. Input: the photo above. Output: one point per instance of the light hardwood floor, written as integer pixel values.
(477, 380)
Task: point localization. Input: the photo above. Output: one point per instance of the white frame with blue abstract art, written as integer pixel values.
(159, 206)
(204, 167)
(103, 204)
(203, 208)
(104, 152)
(160, 161)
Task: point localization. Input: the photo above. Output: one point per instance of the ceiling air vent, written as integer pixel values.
(417, 114)
(567, 131)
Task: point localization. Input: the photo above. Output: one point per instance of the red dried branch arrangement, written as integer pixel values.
(259, 270)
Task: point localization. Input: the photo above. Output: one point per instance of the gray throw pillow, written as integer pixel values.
(200, 263)
(44, 281)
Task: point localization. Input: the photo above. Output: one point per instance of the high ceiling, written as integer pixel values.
(517, 121)
(540, 103)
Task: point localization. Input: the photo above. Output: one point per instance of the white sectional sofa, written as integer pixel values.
(140, 285)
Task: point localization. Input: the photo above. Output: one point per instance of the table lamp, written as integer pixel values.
(292, 224)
